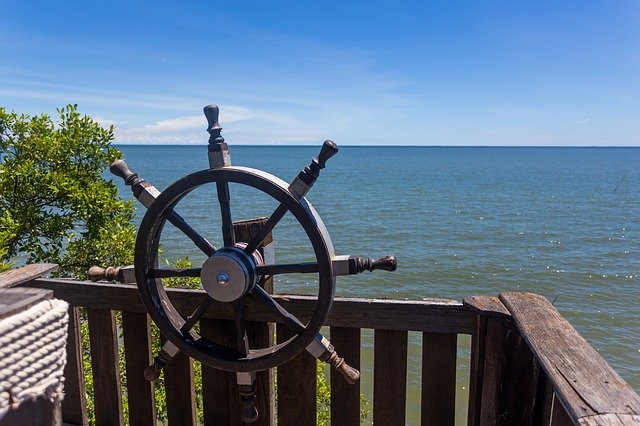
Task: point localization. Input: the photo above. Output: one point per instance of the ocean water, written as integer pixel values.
(561, 222)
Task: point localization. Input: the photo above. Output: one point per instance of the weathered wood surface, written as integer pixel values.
(510, 377)
(430, 315)
(487, 306)
(220, 400)
(610, 420)
(74, 404)
(438, 400)
(584, 383)
(180, 391)
(345, 398)
(504, 373)
(389, 377)
(559, 416)
(543, 405)
(107, 395)
(136, 328)
(14, 277)
(476, 370)
(296, 386)
(260, 334)
(15, 300)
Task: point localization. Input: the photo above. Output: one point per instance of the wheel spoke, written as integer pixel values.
(174, 272)
(224, 199)
(266, 228)
(196, 315)
(176, 220)
(291, 321)
(292, 268)
(241, 330)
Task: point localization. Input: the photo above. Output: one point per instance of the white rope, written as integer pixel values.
(33, 353)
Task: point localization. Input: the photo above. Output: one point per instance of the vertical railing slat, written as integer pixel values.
(389, 377)
(438, 378)
(180, 391)
(137, 346)
(296, 387)
(74, 404)
(219, 392)
(543, 401)
(345, 398)
(478, 343)
(103, 339)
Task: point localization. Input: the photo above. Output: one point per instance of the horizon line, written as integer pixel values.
(381, 146)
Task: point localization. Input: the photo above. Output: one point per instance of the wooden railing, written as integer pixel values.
(528, 365)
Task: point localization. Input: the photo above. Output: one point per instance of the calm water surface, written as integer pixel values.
(561, 222)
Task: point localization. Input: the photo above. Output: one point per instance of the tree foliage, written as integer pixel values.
(55, 206)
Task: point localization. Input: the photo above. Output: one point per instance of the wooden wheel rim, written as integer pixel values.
(169, 320)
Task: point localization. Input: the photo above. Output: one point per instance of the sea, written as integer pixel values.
(462, 221)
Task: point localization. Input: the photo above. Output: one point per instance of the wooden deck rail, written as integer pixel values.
(528, 366)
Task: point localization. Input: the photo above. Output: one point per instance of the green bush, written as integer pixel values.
(54, 204)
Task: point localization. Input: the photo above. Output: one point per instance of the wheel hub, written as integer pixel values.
(229, 273)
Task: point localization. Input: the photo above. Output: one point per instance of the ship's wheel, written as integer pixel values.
(236, 270)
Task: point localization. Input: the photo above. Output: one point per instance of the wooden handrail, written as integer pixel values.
(590, 391)
(428, 315)
(14, 277)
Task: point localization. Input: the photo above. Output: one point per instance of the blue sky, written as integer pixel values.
(360, 73)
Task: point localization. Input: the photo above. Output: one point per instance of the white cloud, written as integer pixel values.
(176, 130)
(108, 122)
(585, 121)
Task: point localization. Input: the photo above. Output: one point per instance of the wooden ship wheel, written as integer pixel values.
(237, 270)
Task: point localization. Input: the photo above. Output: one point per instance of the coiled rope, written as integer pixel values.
(33, 353)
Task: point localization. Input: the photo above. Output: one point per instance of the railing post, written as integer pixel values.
(107, 394)
(439, 353)
(136, 330)
(221, 403)
(504, 373)
(345, 398)
(389, 377)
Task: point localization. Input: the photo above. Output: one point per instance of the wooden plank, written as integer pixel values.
(543, 406)
(439, 353)
(487, 306)
(510, 377)
(136, 328)
(430, 315)
(559, 416)
(221, 402)
(296, 387)
(180, 391)
(219, 391)
(610, 420)
(476, 374)
(74, 404)
(583, 381)
(389, 377)
(107, 395)
(345, 398)
(15, 300)
(260, 334)
(14, 277)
